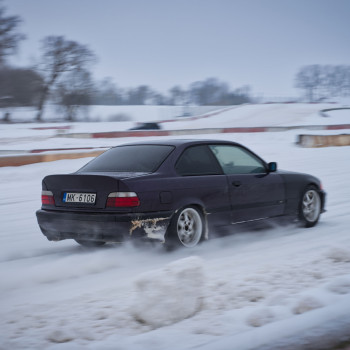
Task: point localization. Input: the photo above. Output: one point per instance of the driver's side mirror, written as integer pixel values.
(272, 166)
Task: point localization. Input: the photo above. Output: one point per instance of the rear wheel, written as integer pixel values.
(87, 243)
(310, 207)
(186, 228)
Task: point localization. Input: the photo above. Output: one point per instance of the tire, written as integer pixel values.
(90, 244)
(186, 228)
(310, 207)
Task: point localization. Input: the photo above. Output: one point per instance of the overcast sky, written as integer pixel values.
(162, 43)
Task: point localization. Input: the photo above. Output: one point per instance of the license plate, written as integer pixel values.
(79, 197)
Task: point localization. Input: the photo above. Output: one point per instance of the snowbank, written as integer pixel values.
(171, 294)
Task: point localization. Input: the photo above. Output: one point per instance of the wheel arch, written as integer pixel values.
(201, 208)
(295, 185)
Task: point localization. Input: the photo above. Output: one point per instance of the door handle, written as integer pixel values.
(236, 183)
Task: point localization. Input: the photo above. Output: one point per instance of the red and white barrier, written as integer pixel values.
(153, 133)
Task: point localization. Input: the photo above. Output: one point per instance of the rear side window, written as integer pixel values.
(133, 158)
(197, 160)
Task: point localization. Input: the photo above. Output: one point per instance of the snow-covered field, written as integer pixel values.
(278, 288)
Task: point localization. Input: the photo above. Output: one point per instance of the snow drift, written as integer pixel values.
(171, 294)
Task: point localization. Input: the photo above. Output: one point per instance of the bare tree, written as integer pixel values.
(108, 93)
(141, 95)
(74, 92)
(9, 37)
(19, 86)
(60, 56)
(214, 92)
(322, 81)
(341, 81)
(177, 95)
(309, 78)
(346, 83)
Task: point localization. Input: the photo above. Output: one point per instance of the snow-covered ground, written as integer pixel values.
(268, 115)
(278, 288)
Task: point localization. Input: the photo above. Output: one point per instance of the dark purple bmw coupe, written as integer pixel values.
(173, 191)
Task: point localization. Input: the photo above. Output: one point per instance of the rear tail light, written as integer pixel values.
(47, 198)
(123, 199)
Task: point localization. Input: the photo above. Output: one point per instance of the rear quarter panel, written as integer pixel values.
(210, 192)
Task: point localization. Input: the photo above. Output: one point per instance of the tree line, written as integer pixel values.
(320, 82)
(63, 76)
(210, 91)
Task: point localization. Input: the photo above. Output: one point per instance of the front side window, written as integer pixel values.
(237, 160)
(130, 158)
(197, 160)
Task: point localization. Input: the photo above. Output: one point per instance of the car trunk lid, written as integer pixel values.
(84, 191)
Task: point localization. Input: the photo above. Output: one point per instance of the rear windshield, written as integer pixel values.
(133, 158)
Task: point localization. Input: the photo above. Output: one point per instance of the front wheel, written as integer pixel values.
(310, 207)
(186, 228)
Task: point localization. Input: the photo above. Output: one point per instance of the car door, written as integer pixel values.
(201, 180)
(254, 192)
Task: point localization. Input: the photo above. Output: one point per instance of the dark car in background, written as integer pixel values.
(173, 191)
(146, 126)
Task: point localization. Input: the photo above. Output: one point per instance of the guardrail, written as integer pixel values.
(152, 133)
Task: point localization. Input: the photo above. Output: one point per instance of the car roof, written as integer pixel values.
(179, 142)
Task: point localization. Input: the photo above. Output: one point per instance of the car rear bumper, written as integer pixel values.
(57, 225)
